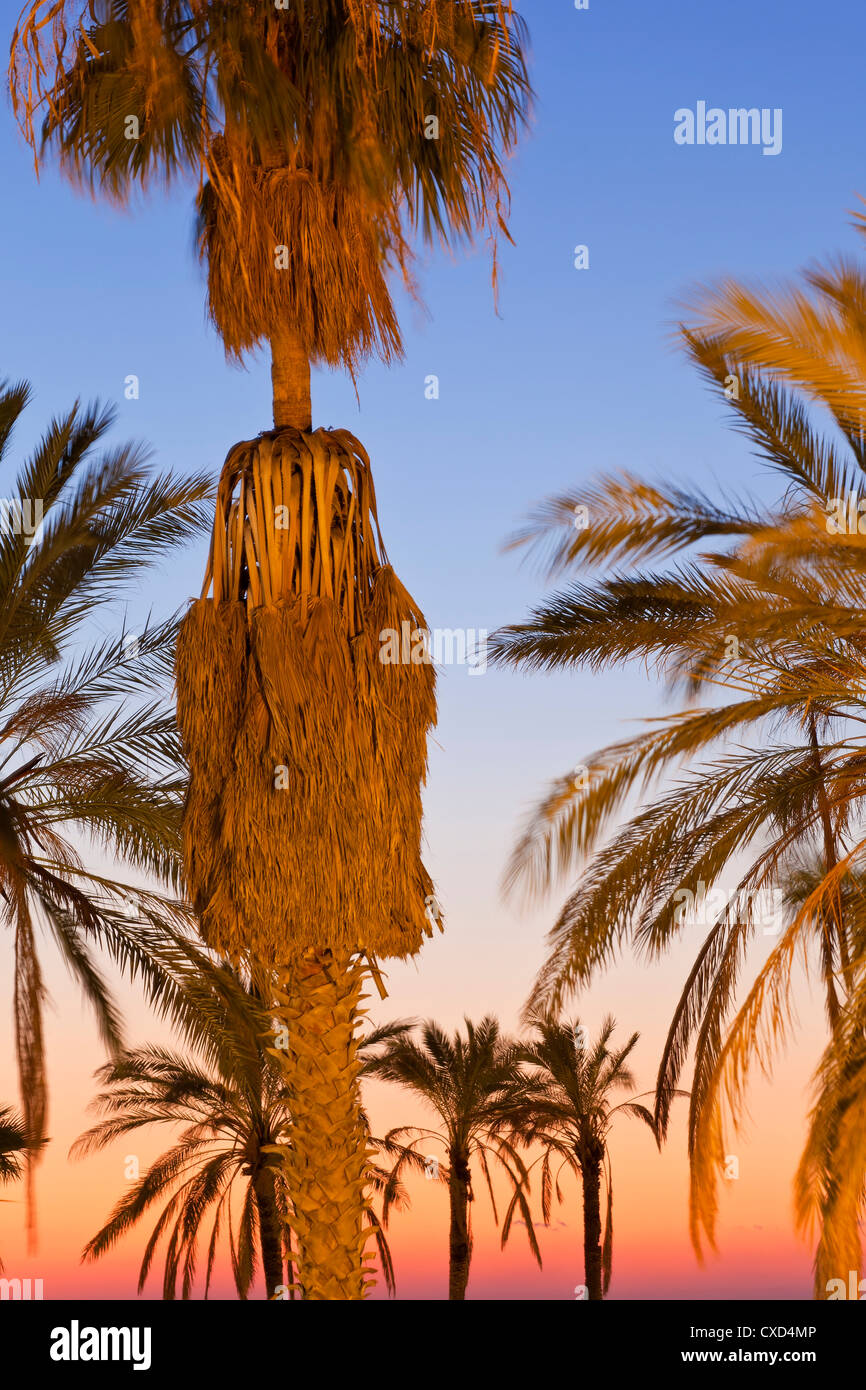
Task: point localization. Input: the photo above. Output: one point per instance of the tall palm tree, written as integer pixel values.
(13, 1147)
(571, 1119)
(88, 749)
(322, 135)
(475, 1086)
(316, 131)
(789, 590)
(229, 1095)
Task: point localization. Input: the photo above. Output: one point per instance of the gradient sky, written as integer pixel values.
(576, 375)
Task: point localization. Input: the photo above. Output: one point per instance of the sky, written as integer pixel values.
(577, 374)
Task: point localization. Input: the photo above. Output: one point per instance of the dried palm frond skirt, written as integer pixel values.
(307, 751)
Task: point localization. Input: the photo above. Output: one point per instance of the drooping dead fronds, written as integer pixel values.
(305, 801)
(284, 248)
(360, 119)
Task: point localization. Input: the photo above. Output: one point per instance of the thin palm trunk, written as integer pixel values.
(290, 376)
(591, 1173)
(326, 1163)
(271, 1231)
(459, 1235)
(830, 862)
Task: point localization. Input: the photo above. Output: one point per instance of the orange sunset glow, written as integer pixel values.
(432, 673)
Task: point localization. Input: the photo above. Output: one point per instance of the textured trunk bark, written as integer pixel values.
(270, 1231)
(459, 1236)
(591, 1171)
(326, 1163)
(290, 376)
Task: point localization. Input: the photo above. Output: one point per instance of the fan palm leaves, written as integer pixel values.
(318, 134)
(570, 1116)
(474, 1084)
(769, 613)
(88, 750)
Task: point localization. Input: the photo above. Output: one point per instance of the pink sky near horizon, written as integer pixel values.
(759, 1254)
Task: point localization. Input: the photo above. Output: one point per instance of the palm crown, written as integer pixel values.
(323, 129)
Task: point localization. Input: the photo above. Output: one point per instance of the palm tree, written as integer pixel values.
(13, 1143)
(771, 612)
(829, 1181)
(316, 132)
(13, 1147)
(229, 1095)
(810, 337)
(80, 526)
(320, 134)
(571, 1119)
(475, 1086)
(230, 1098)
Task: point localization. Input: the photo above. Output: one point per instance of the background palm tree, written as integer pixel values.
(13, 1148)
(194, 1180)
(475, 1086)
(571, 1118)
(86, 748)
(231, 1100)
(773, 614)
(13, 1143)
(323, 134)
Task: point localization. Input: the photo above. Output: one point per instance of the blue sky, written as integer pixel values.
(576, 375)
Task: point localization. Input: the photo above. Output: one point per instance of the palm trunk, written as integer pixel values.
(326, 1163)
(290, 375)
(830, 862)
(591, 1173)
(459, 1235)
(270, 1231)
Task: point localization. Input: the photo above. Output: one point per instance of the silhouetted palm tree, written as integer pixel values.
(571, 1119)
(475, 1086)
(230, 1097)
(13, 1148)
